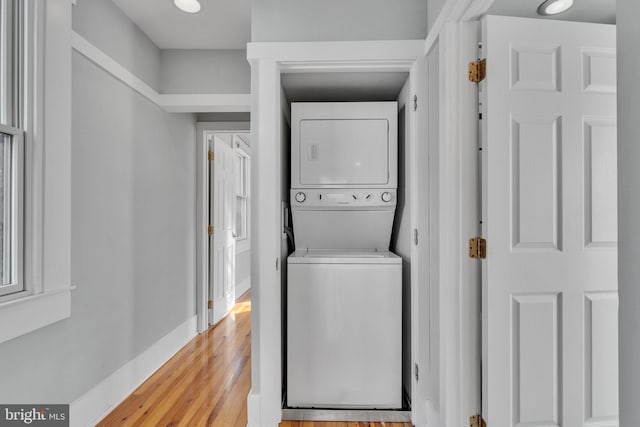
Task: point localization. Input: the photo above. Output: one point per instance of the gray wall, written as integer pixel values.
(103, 24)
(310, 20)
(433, 10)
(204, 71)
(172, 71)
(629, 208)
(132, 242)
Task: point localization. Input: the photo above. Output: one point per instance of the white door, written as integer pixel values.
(222, 215)
(549, 216)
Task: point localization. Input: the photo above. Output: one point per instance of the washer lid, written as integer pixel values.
(338, 256)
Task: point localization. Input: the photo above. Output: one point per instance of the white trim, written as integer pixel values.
(324, 54)
(108, 64)
(253, 409)
(268, 61)
(95, 404)
(266, 342)
(173, 103)
(469, 225)
(47, 240)
(450, 254)
(202, 223)
(206, 103)
(456, 11)
(50, 307)
(458, 278)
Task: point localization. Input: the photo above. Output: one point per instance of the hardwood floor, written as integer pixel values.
(205, 384)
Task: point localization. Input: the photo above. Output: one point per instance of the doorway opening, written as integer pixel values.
(224, 232)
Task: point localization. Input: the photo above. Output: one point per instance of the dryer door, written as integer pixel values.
(344, 152)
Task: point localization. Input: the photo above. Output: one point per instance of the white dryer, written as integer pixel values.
(344, 288)
(344, 145)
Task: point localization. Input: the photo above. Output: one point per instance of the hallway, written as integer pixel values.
(205, 384)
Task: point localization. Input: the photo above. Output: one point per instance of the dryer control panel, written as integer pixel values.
(343, 199)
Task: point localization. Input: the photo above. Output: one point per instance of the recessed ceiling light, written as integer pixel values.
(189, 6)
(553, 7)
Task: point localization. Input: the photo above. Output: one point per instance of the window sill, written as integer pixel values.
(27, 314)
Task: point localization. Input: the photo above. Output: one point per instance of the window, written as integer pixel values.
(242, 189)
(13, 66)
(35, 183)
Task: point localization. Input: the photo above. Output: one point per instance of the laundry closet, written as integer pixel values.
(346, 246)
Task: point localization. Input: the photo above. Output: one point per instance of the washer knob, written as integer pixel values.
(386, 196)
(301, 197)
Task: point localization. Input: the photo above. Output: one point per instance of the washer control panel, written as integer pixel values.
(317, 198)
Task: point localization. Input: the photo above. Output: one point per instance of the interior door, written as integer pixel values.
(549, 217)
(222, 216)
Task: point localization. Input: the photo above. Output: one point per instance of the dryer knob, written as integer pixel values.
(301, 197)
(386, 196)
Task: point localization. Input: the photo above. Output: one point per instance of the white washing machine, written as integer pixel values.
(344, 336)
(344, 287)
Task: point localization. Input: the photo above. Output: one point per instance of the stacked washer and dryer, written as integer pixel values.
(344, 287)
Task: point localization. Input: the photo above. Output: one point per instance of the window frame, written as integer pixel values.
(16, 64)
(243, 150)
(44, 114)
(15, 215)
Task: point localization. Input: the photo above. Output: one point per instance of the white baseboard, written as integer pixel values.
(257, 416)
(95, 404)
(253, 409)
(243, 287)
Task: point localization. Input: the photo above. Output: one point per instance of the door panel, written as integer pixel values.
(549, 217)
(536, 358)
(536, 190)
(600, 151)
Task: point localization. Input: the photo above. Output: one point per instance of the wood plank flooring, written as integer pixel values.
(205, 384)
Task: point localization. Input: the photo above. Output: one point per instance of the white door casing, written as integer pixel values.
(222, 241)
(550, 350)
(268, 60)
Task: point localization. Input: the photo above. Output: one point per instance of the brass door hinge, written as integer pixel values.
(210, 229)
(210, 155)
(477, 421)
(477, 70)
(210, 304)
(477, 248)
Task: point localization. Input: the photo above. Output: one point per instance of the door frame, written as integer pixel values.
(202, 213)
(456, 32)
(453, 210)
(269, 109)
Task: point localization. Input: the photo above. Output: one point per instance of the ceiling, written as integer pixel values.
(600, 11)
(220, 24)
(226, 24)
(343, 86)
